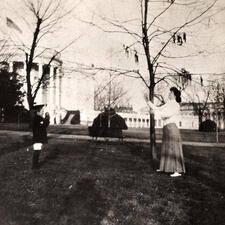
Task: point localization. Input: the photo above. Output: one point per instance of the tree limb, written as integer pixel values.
(185, 24)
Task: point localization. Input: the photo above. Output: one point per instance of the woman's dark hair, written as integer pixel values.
(177, 93)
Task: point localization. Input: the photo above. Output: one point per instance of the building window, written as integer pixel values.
(143, 120)
(130, 119)
(180, 124)
(135, 120)
(125, 119)
(139, 120)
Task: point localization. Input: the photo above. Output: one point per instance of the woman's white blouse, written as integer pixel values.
(169, 112)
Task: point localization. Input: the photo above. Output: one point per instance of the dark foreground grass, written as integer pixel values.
(102, 183)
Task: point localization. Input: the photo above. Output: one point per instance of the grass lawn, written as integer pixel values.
(141, 133)
(103, 183)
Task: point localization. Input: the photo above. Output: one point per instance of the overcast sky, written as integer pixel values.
(96, 47)
(205, 40)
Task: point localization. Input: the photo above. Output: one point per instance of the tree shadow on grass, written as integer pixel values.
(143, 151)
(139, 150)
(208, 170)
(84, 205)
(204, 185)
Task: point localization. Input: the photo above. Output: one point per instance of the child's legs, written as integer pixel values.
(37, 150)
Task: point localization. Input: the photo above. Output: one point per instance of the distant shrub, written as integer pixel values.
(76, 118)
(208, 126)
(16, 114)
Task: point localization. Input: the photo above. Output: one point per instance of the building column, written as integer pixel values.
(130, 122)
(54, 87)
(211, 116)
(37, 76)
(58, 96)
(142, 123)
(51, 87)
(41, 91)
(25, 102)
(146, 124)
(10, 67)
(51, 104)
(135, 122)
(222, 121)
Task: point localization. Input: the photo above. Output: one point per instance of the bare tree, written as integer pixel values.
(42, 19)
(218, 99)
(5, 54)
(200, 107)
(155, 40)
(203, 95)
(110, 95)
(47, 16)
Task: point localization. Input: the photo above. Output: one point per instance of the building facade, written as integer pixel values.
(62, 94)
(186, 120)
(50, 90)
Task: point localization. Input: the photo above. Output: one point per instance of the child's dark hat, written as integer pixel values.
(38, 107)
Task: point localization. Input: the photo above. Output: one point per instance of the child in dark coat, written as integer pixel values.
(39, 127)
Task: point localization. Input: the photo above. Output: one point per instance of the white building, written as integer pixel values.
(50, 91)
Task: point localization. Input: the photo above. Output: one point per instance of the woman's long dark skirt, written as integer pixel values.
(172, 159)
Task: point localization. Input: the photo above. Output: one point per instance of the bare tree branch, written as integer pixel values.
(135, 35)
(160, 14)
(185, 24)
(49, 63)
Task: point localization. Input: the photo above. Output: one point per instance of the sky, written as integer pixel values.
(205, 39)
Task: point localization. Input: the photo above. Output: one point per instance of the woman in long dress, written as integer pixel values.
(172, 160)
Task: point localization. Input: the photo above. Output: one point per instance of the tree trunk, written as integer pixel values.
(29, 64)
(152, 130)
(200, 118)
(145, 42)
(153, 138)
(30, 100)
(224, 113)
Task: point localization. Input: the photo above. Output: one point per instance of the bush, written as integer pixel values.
(208, 126)
(76, 118)
(16, 114)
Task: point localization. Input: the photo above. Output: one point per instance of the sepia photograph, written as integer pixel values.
(112, 112)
